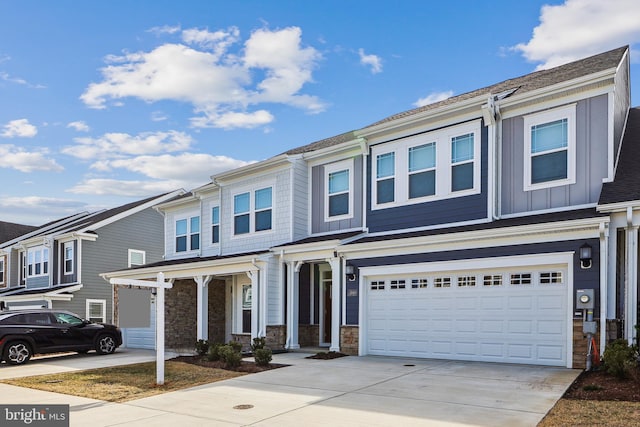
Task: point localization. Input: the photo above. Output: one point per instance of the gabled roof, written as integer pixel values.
(529, 82)
(87, 222)
(626, 184)
(323, 143)
(10, 230)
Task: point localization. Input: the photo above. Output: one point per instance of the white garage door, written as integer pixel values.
(142, 337)
(511, 315)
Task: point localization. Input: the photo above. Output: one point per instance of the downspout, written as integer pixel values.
(365, 189)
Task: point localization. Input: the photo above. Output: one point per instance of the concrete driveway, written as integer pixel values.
(349, 391)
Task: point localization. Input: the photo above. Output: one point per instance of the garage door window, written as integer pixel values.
(377, 285)
(419, 283)
(466, 281)
(442, 282)
(492, 280)
(550, 277)
(521, 279)
(398, 284)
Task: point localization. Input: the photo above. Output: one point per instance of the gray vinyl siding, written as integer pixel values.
(142, 231)
(300, 197)
(37, 282)
(591, 162)
(582, 278)
(621, 103)
(66, 278)
(319, 225)
(446, 211)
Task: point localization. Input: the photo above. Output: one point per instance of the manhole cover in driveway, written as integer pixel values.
(243, 407)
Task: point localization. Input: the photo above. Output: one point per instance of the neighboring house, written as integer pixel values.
(10, 230)
(57, 265)
(458, 230)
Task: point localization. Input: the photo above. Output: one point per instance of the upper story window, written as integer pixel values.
(67, 249)
(2, 271)
(188, 234)
(215, 224)
(23, 267)
(136, 257)
(550, 148)
(338, 203)
(430, 166)
(37, 261)
(253, 211)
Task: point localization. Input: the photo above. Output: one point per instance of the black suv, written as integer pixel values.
(24, 333)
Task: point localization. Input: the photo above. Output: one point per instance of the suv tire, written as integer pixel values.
(105, 344)
(17, 352)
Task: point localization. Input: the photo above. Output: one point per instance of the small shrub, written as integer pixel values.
(202, 347)
(620, 358)
(263, 356)
(213, 353)
(236, 345)
(230, 356)
(258, 343)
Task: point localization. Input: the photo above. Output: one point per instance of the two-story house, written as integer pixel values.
(57, 265)
(460, 230)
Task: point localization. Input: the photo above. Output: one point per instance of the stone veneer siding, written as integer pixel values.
(276, 336)
(308, 335)
(580, 345)
(349, 341)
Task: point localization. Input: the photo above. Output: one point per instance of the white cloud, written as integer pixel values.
(580, 28)
(233, 120)
(17, 80)
(29, 210)
(373, 61)
(19, 128)
(12, 157)
(114, 145)
(212, 78)
(190, 169)
(80, 126)
(102, 187)
(158, 116)
(433, 97)
(165, 29)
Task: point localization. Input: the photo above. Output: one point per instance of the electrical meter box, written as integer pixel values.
(585, 298)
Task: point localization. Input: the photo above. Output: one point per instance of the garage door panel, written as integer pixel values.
(524, 323)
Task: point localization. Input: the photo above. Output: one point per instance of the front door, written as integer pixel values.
(325, 305)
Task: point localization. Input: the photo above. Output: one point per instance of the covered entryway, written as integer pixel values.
(492, 310)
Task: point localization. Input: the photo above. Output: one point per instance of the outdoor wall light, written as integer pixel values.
(351, 272)
(585, 256)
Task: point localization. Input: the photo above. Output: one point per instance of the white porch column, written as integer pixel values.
(293, 270)
(631, 302)
(255, 301)
(202, 307)
(604, 283)
(335, 303)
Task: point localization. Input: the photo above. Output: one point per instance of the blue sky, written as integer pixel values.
(103, 103)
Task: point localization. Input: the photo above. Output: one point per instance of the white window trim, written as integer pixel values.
(567, 112)
(338, 167)
(102, 302)
(442, 139)
(42, 261)
(238, 306)
(3, 270)
(188, 235)
(252, 211)
(64, 258)
(136, 251)
(211, 207)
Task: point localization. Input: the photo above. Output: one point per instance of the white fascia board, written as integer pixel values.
(352, 147)
(223, 266)
(243, 172)
(511, 236)
(619, 207)
(54, 295)
(417, 118)
(206, 190)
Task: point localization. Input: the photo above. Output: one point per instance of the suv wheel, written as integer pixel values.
(105, 344)
(17, 353)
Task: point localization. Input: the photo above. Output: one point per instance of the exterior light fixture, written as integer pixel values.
(350, 271)
(585, 256)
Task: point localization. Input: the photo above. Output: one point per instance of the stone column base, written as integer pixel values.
(349, 340)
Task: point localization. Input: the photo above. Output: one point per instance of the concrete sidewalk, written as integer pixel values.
(349, 391)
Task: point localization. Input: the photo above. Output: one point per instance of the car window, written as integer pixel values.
(67, 319)
(38, 319)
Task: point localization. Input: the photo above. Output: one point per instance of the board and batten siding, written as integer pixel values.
(591, 162)
(318, 193)
(59, 268)
(275, 292)
(300, 197)
(621, 103)
(142, 231)
(438, 212)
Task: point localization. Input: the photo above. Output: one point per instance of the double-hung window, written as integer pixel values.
(136, 257)
(215, 224)
(462, 162)
(385, 178)
(37, 261)
(68, 257)
(422, 170)
(2, 271)
(253, 211)
(188, 234)
(338, 196)
(549, 152)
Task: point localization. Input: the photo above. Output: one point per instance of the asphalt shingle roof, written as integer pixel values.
(10, 230)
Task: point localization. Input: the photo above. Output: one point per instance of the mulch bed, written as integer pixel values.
(599, 385)
(327, 355)
(245, 366)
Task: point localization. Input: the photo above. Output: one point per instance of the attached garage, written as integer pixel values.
(510, 310)
(144, 337)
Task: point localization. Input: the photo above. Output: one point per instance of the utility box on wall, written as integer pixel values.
(585, 299)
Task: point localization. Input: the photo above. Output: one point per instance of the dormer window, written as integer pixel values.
(37, 261)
